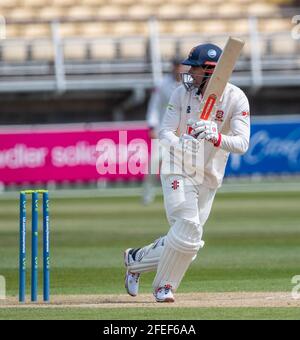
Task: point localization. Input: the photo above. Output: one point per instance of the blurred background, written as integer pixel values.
(73, 71)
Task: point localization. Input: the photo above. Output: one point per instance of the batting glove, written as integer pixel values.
(208, 130)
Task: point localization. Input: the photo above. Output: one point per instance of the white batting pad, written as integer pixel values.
(181, 247)
(147, 258)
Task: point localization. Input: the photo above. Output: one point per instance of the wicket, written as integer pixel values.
(34, 245)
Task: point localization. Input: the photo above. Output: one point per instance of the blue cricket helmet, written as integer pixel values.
(203, 55)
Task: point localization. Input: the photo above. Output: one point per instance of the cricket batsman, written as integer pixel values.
(188, 202)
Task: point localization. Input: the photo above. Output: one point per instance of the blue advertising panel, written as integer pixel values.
(274, 148)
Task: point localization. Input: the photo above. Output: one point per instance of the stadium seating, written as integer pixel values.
(149, 2)
(36, 31)
(170, 10)
(73, 50)
(133, 49)
(12, 31)
(182, 28)
(68, 30)
(124, 2)
(9, 3)
(187, 45)
(50, 13)
(140, 10)
(167, 49)
(275, 25)
(92, 29)
(281, 46)
(13, 51)
(213, 26)
(229, 9)
(93, 3)
(197, 9)
(103, 50)
(82, 8)
(240, 26)
(120, 29)
(42, 50)
(261, 9)
(80, 12)
(127, 28)
(109, 11)
(64, 3)
(34, 3)
(22, 13)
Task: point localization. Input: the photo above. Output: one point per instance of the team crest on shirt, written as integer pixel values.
(219, 116)
(245, 113)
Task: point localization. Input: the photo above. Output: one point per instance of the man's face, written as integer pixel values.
(197, 73)
(196, 77)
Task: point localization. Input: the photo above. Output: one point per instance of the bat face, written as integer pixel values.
(208, 107)
(220, 77)
(206, 110)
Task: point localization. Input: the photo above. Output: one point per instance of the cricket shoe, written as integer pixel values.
(164, 294)
(131, 279)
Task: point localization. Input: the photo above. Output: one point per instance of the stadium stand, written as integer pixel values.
(28, 9)
(93, 60)
(69, 34)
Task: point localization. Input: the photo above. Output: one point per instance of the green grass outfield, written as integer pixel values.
(252, 244)
(157, 314)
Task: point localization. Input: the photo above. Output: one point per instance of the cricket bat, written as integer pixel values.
(220, 77)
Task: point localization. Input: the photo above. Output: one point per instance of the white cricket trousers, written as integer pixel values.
(183, 201)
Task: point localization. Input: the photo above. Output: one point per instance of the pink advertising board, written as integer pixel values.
(69, 152)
